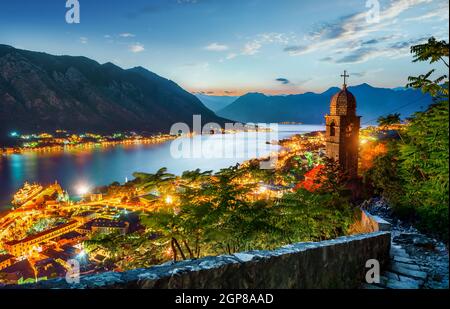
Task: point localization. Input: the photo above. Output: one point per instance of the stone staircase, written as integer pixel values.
(418, 261)
(402, 272)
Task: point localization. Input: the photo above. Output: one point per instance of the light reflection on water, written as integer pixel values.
(105, 165)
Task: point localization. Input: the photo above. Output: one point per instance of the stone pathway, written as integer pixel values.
(417, 260)
(402, 272)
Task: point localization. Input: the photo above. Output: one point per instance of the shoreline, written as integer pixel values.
(154, 139)
(6, 208)
(7, 151)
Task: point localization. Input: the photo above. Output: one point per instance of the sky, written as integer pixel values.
(231, 47)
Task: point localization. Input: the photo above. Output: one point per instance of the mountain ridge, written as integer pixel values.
(310, 108)
(48, 92)
(215, 103)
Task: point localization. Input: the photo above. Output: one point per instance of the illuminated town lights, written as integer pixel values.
(82, 255)
(168, 252)
(262, 190)
(82, 189)
(169, 200)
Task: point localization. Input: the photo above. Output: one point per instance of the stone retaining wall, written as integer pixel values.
(337, 263)
(373, 223)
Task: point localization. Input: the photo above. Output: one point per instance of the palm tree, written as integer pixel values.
(148, 181)
(432, 51)
(391, 119)
(195, 177)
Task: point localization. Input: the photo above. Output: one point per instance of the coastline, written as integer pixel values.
(6, 207)
(85, 145)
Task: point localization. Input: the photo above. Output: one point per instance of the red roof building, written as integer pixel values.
(311, 182)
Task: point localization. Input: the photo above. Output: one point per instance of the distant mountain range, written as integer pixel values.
(215, 103)
(40, 92)
(310, 108)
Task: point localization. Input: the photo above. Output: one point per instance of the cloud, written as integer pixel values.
(358, 74)
(216, 47)
(393, 50)
(347, 33)
(83, 40)
(137, 48)
(127, 35)
(440, 12)
(196, 66)
(326, 59)
(295, 49)
(359, 55)
(370, 42)
(253, 47)
(379, 40)
(408, 43)
(229, 57)
(282, 80)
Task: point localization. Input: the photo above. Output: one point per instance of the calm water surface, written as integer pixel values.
(105, 165)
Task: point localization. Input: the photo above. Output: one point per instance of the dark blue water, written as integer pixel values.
(104, 166)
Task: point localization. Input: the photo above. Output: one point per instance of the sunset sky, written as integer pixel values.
(236, 46)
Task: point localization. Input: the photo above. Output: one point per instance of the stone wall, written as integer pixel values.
(372, 223)
(336, 263)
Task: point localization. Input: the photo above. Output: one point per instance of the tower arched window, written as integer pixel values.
(332, 129)
(349, 129)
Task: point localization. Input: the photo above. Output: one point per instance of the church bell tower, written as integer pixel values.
(342, 135)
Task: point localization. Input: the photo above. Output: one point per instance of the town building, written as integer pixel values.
(71, 238)
(6, 260)
(94, 197)
(86, 216)
(28, 244)
(48, 269)
(19, 273)
(105, 226)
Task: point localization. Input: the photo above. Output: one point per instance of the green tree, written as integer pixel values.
(309, 216)
(432, 51)
(385, 121)
(147, 181)
(413, 175)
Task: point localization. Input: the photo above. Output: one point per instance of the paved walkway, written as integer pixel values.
(417, 260)
(402, 272)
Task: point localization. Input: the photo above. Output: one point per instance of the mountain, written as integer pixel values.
(40, 92)
(311, 107)
(215, 103)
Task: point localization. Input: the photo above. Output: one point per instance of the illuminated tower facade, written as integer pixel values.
(342, 135)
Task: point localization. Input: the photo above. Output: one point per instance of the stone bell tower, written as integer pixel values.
(342, 136)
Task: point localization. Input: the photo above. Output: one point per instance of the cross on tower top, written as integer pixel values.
(345, 75)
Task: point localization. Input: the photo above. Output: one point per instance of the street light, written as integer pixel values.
(169, 199)
(82, 189)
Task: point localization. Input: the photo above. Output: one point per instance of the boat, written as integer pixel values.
(26, 193)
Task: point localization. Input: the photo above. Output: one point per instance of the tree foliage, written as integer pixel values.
(219, 217)
(414, 173)
(385, 121)
(432, 51)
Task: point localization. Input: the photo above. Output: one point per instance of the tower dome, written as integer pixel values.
(343, 103)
